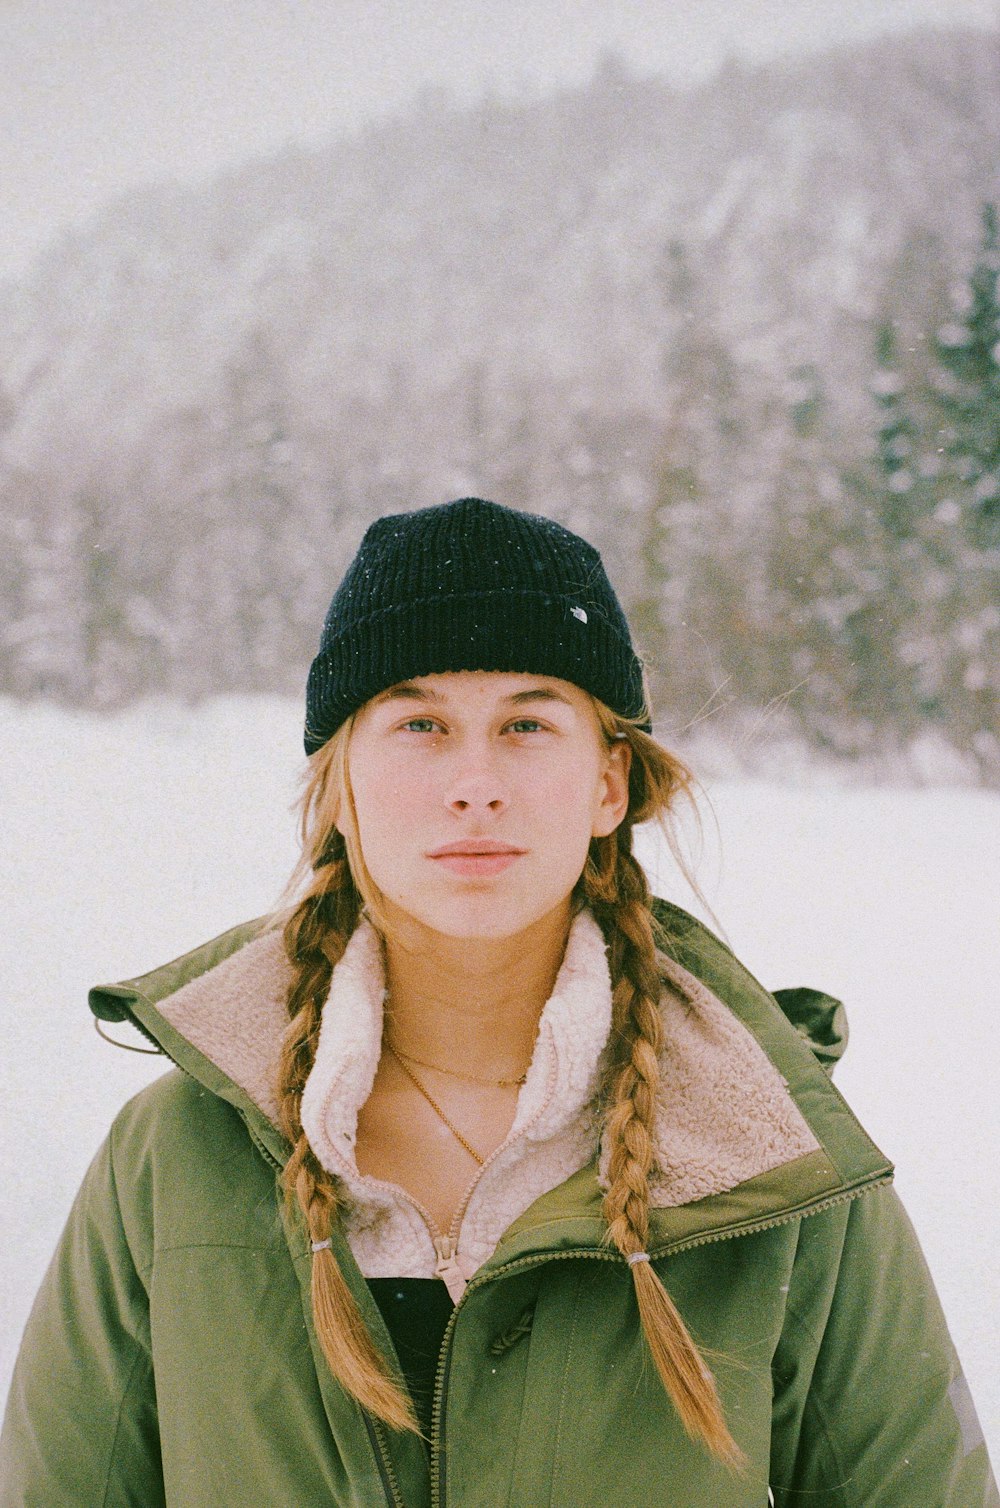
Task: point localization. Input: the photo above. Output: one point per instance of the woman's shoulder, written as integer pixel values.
(688, 947)
(173, 1107)
(185, 1171)
(176, 1120)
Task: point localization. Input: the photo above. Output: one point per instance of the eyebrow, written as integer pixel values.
(407, 691)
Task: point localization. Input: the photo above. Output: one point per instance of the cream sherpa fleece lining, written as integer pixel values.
(724, 1113)
(554, 1132)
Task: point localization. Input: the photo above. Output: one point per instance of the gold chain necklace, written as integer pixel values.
(456, 1133)
(456, 1073)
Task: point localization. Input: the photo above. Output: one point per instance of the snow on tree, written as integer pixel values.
(969, 386)
(694, 586)
(938, 494)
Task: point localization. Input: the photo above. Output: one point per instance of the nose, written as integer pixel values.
(477, 788)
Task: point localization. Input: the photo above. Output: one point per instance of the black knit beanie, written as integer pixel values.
(470, 585)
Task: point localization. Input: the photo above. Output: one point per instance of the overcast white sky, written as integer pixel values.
(99, 95)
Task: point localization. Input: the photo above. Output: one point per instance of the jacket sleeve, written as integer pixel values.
(871, 1409)
(81, 1423)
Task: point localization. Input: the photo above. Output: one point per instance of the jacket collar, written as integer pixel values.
(748, 1125)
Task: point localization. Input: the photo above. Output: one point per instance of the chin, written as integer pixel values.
(487, 922)
(479, 915)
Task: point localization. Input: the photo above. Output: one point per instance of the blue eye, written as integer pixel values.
(422, 725)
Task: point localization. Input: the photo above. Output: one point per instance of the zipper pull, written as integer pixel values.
(448, 1269)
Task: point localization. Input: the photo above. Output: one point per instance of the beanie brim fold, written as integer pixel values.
(527, 632)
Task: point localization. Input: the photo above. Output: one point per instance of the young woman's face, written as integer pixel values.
(477, 794)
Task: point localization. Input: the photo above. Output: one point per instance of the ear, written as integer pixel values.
(612, 803)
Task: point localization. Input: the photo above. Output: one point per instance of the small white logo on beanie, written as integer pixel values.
(578, 612)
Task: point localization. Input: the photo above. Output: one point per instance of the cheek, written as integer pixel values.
(563, 802)
(388, 798)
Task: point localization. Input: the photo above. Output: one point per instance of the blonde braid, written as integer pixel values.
(615, 887)
(315, 936)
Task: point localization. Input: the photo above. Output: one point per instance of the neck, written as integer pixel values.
(472, 1003)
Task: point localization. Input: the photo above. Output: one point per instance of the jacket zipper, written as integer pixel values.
(386, 1470)
(447, 1269)
(522, 1264)
(446, 1244)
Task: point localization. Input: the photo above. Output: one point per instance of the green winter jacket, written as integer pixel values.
(170, 1357)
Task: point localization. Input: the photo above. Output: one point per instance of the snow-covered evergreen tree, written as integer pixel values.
(966, 586)
(693, 586)
(827, 662)
(969, 387)
(937, 489)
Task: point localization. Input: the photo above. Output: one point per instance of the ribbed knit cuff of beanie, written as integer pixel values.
(470, 585)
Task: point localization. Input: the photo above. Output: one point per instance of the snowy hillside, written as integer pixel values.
(130, 839)
(524, 241)
(706, 328)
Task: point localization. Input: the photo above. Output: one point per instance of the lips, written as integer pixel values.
(473, 848)
(476, 858)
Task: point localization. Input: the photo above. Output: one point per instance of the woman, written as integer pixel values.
(486, 1179)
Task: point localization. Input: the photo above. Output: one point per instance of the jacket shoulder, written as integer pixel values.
(818, 1018)
(186, 1171)
(691, 943)
(173, 1108)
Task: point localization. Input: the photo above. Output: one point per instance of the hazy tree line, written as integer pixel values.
(766, 560)
(795, 486)
(856, 588)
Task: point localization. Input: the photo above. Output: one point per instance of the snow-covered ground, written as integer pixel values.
(128, 840)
